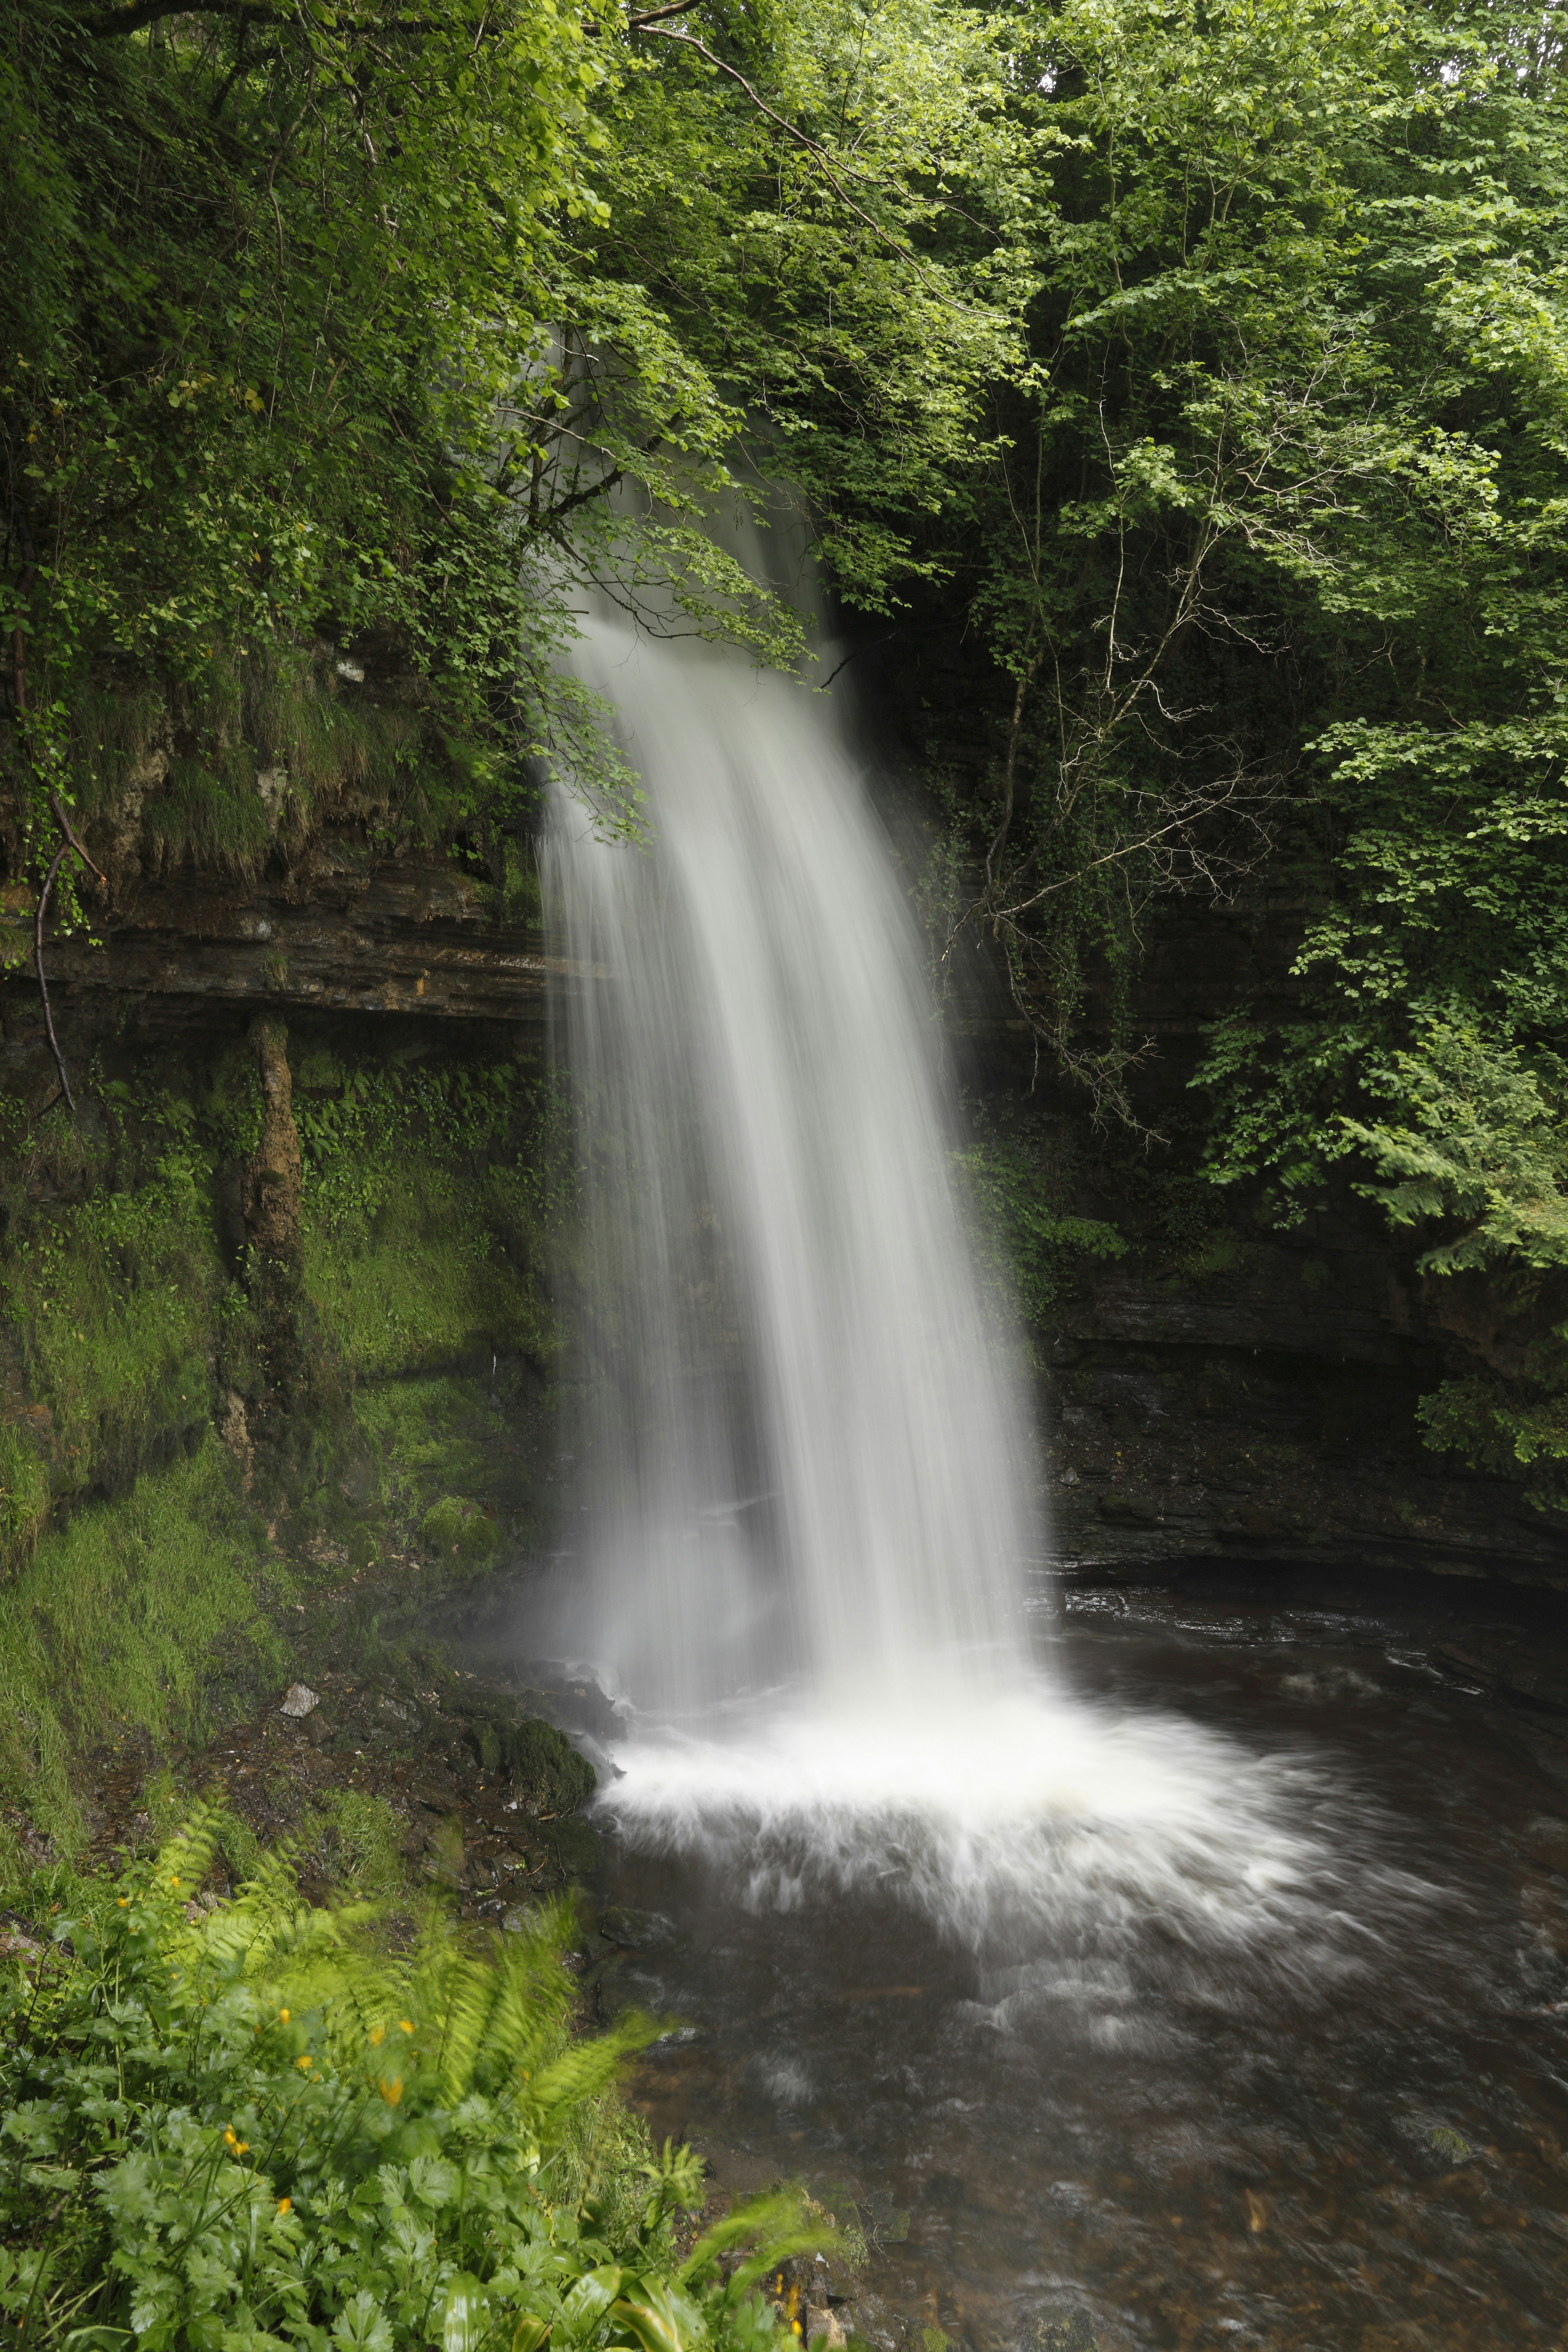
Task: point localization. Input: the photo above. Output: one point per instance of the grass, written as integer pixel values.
(131, 1615)
(117, 1299)
(355, 1839)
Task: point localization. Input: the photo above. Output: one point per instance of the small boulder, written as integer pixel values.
(575, 1846)
(298, 1700)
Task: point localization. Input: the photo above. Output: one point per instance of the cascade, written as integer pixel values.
(806, 1549)
(804, 1460)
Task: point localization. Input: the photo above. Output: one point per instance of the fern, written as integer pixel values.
(315, 2137)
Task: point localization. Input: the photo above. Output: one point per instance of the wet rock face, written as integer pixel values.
(1176, 1431)
(1258, 1405)
(1226, 1390)
(271, 1182)
(351, 932)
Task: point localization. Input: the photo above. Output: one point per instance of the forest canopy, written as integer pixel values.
(1201, 370)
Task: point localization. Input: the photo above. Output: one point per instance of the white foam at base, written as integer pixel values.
(1035, 1811)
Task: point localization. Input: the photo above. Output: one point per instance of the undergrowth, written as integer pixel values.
(1016, 1184)
(246, 2122)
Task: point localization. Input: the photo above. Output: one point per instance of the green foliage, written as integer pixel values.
(251, 2119)
(841, 257)
(1508, 1427)
(1015, 1183)
(126, 1616)
(342, 330)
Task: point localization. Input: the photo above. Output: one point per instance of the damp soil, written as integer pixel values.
(1040, 2151)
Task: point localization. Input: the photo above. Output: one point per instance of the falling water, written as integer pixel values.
(806, 1464)
(805, 1511)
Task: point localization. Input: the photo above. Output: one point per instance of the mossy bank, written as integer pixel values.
(275, 1361)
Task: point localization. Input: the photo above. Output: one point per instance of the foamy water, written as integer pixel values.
(1025, 1814)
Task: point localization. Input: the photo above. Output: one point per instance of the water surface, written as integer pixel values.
(1335, 2120)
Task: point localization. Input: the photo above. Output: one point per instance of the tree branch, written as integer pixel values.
(640, 23)
(110, 23)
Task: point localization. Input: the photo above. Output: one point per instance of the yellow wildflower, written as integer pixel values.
(303, 2062)
(391, 2092)
(285, 2204)
(404, 2026)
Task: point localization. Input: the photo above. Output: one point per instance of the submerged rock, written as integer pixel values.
(1073, 2334)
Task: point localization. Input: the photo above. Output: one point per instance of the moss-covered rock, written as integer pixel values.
(546, 1771)
(456, 1527)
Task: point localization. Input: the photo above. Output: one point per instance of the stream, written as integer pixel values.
(1153, 2138)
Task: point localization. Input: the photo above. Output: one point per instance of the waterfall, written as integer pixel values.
(802, 1502)
(801, 1459)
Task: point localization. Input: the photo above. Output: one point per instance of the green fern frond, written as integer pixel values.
(184, 1860)
(775, 2227)
(470, 1996)
(533, 1993)
(584, 2070)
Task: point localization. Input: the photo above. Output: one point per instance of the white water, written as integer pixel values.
(806, 1512)
(803, 1463)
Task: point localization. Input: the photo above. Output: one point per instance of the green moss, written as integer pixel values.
(546, 1770)
(427, 1435)
(457, 1528)
(420, 1282)
(421, 1227)
(130, 1615)
(115, 1298)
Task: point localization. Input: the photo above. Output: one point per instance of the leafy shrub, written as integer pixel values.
(1028, 1247)
(248, 2121)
